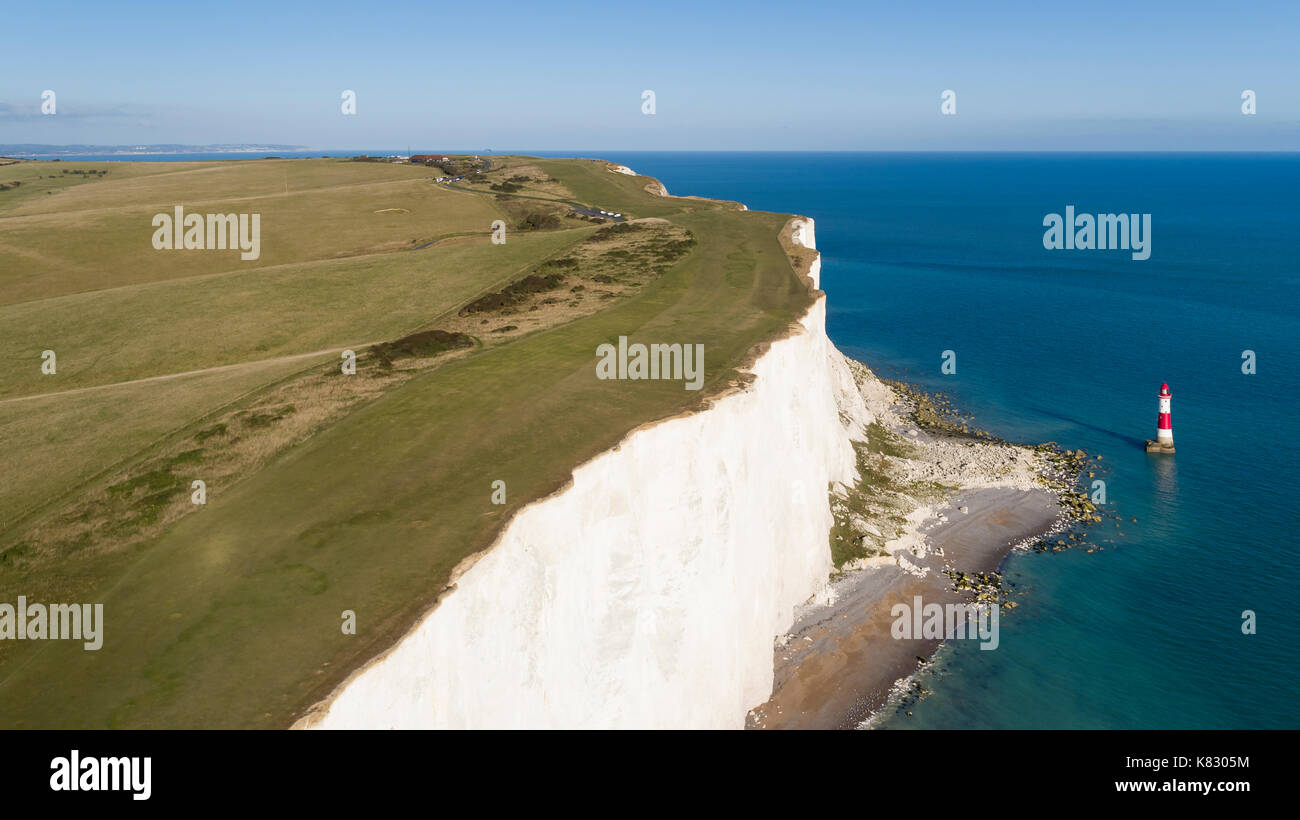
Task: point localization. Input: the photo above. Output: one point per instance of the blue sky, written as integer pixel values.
(727, 76)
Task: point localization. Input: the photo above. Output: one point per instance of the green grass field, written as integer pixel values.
(95, 234)
(230, 615)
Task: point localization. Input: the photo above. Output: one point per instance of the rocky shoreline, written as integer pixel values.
(938, 507)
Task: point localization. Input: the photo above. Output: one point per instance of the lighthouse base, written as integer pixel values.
(1159, 447)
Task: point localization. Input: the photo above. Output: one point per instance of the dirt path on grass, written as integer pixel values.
(203, 371)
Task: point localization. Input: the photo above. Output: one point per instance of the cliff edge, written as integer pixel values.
(648, 592)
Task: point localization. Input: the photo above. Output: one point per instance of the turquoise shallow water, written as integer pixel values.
(924, 253)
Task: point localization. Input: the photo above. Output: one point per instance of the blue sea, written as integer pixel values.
(924, 253)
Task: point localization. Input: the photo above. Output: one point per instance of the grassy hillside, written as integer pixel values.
(96, 234)
(134, 331)
(328, 494)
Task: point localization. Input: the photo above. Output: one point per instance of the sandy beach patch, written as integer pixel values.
(953, 505)
(839, 662)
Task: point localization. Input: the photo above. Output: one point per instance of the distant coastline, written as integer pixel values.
(190, 153)
(41, 150)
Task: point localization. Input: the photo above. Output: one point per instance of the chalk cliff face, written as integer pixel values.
(649, 591)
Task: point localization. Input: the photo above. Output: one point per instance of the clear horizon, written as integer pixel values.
(579, 152)
(834, 77)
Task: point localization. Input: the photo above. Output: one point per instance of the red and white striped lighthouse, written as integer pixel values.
(1164, 424)
(1164, 442)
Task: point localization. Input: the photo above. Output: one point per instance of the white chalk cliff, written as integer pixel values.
(649, 591)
